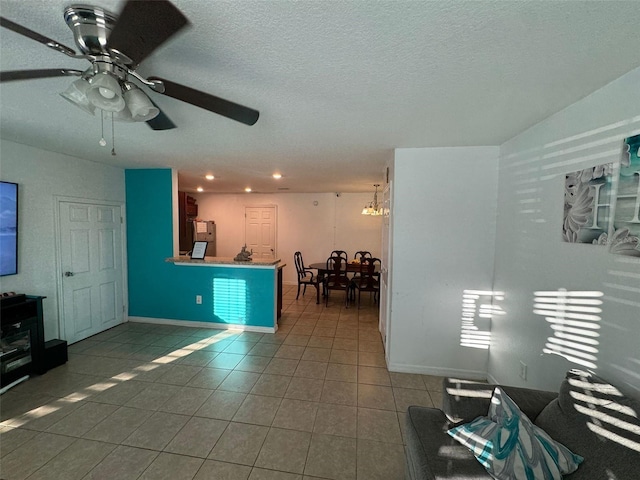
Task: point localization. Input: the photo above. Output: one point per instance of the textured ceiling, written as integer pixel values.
(338, 85)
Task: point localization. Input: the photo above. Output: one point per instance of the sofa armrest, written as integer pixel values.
(431, 454)
(465, 400)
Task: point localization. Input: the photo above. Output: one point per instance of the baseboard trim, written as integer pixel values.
(193, 323)
(438, 371)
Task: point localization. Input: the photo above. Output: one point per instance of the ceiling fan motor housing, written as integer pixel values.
(91, 27)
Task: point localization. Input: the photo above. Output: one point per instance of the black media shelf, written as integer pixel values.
(21, 338)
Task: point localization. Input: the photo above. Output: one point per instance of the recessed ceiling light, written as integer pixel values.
(277, 176)
(248, 189)
(200, 189)
(209, 177)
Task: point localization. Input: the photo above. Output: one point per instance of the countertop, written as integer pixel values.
(222, 261)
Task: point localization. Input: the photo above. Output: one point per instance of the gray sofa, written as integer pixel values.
(589, 416)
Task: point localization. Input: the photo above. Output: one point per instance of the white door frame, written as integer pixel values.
(275, 225)
(386, 315)
(57, 200)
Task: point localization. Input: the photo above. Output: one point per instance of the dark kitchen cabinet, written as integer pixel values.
(187, 213)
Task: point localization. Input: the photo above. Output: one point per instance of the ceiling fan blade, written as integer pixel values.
(13, 75)
(142, 26)
(161, 121)
(214, 104)
(6, 23)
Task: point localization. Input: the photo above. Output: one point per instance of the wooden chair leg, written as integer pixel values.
(298, 291)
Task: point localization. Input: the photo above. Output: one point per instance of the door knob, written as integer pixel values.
(68, 274)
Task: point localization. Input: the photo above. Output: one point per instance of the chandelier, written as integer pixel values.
(373, 208)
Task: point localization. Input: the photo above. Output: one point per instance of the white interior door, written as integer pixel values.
(384, 267)
(91, 262)
(260, 231)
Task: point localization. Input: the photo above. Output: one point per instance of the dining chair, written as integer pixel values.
(340, 253)
(305, 275)
(336, 278)
(359, 257)
(361, 254)
(367, 280)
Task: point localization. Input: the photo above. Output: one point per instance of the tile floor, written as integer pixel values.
(139, 401)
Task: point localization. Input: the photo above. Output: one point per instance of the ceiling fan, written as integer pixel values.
(115, 46)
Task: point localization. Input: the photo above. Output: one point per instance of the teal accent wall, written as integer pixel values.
(157, 289)
(149, 239)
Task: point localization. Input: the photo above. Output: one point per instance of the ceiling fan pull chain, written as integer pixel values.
(102, 141)
(113, 138)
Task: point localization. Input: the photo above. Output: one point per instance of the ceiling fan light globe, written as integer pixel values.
(145, 115)
(140, 106)
(77, 95)
(101, 86)
(106, 93)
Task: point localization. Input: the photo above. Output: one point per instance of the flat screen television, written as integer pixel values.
(8, 228)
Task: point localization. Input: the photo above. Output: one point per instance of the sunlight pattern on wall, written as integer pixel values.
(478, 308)
(230, 302)
(574, 318)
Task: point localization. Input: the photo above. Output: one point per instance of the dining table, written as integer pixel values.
(322, 270)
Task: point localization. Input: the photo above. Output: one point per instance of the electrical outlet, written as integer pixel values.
(199, 299)
(523, 370)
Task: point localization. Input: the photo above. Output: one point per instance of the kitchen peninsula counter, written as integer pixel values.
(219, 292)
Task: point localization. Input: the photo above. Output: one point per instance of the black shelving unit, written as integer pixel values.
(22, 338)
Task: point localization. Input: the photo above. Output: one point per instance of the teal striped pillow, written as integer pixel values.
(510, 447)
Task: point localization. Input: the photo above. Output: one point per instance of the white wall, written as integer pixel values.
(42, 175)
(443, 220)
(531, 256)
(335, 223)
